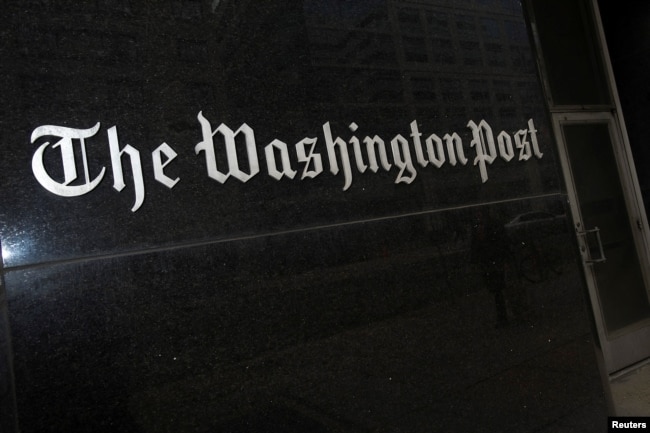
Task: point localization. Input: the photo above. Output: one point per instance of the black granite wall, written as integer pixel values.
(436, 290)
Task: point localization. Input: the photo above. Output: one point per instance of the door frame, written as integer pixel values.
(610, 349)
(621, 349)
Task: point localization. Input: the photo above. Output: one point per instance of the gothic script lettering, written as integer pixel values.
(237, 151)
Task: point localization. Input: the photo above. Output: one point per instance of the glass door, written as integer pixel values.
(610, 227)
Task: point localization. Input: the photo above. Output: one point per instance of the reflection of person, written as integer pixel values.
(490, 251)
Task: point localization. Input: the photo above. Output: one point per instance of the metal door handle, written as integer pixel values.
(586, 233)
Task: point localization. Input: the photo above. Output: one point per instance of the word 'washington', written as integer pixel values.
(369, 153)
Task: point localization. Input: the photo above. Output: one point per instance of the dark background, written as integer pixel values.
(628, 43)
(287, 305)
(284, 69)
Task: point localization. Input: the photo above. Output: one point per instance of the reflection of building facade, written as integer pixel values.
(413, 52)
(300, 259)
(417, 47)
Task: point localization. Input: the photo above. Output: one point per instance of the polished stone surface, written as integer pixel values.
(398, 333)
(347, 302)
(286, 70)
